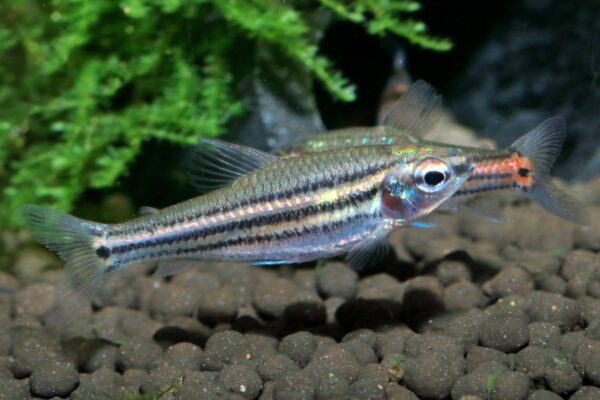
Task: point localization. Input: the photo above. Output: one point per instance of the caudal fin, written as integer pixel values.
(73, 240)
(541, 146)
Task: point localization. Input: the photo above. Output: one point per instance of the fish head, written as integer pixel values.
(422, 181)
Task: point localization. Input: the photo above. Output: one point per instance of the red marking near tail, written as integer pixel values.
(519, 169)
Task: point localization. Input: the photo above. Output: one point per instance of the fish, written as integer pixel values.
(272, 210)
(523, 166)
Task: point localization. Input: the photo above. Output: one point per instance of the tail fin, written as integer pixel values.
(72, 239)
(541, 146)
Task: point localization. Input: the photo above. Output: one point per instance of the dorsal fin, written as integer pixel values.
(214, 163)
(417, 111)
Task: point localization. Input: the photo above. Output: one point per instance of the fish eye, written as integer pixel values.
(431, 175)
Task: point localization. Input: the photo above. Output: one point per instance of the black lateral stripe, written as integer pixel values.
(327, 182)
(287, 234)
(254, 222)
(483, 189)
(499, 155)
(309, 187)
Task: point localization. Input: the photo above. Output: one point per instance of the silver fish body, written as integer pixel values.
(292, 210)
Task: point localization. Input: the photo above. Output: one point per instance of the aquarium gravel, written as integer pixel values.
(469, 310)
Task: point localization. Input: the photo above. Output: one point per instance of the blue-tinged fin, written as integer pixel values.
(541, 146)
(73, 240)
(270, 263)
(370, 251)
(214, 163)
(423, 225)
(417, 111)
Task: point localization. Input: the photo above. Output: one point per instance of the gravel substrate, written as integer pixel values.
(468, 310)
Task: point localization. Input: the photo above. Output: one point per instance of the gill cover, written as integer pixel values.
(415, 189)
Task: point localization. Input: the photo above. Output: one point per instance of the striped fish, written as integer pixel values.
(288, 210)
(524, 166)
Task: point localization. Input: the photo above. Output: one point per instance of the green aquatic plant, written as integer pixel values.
(491, 380)
(159, 393)
(83, 84)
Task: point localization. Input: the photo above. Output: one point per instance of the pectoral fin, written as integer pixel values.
(368, 252)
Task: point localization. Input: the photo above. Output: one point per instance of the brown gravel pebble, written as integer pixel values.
(139, 353)
(103, 384)
(586, 393)
(450, 271)
(397, 392)
(11, 389)
(380, 286)
(580, 268)
(276, 366)
(35, 300)
(224, 348)
(336, 279)
(511, 386)
(95, 354)
(160, 377)
(294, 386)
(242, 380)
(539, 262)
(504, 332)
(544, 334)
(548, 307)
(363, 353)
(53, 378)
(392, 341)
(544, 395)
(549, 364)
(588, 237)
(134, 378)
(478, 355)
(299, 346)
(433, 375)
(220, 305)
(31, 347)
(510, 280)
(551, 283)
(462, 296)
(185, 356)
(273, 296)
(172, 300)
(464, 327)
(6, 367)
